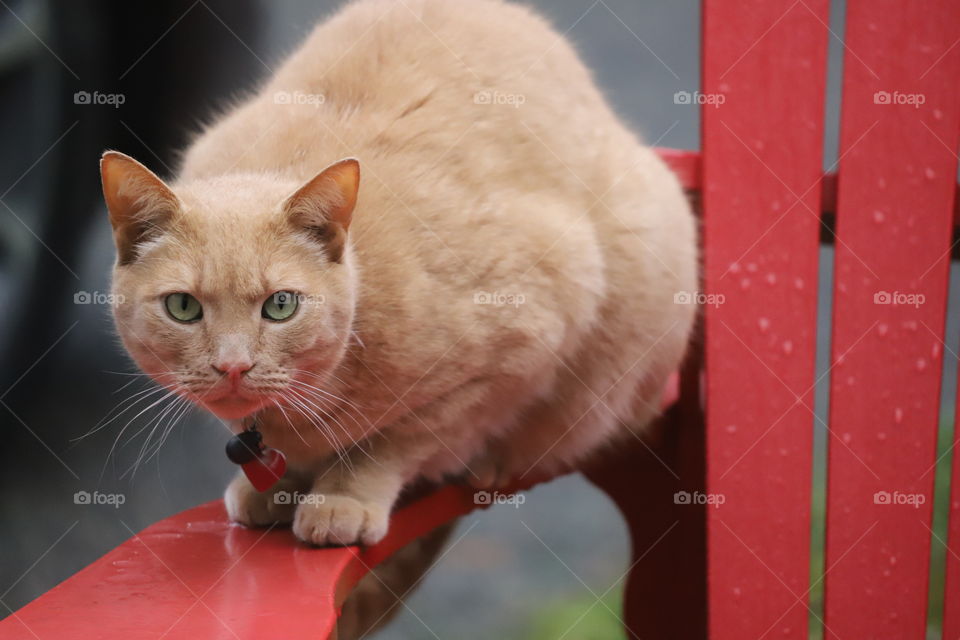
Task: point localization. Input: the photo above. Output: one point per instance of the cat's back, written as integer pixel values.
(383, 53)
(484, 82)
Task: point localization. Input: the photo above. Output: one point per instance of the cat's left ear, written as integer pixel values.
(139, 202)
(324, 206)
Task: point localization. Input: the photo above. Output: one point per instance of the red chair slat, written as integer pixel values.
(685, 164)
(762, 155)
(951, 599)
(899, 133)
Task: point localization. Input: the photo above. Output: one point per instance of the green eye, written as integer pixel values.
(280, 305)
(183, 307)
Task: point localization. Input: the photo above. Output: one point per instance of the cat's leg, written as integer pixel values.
(348, 511)
(253, 508)
(352, 498)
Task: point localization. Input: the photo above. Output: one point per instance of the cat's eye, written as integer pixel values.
(183, 307)
(280, 306)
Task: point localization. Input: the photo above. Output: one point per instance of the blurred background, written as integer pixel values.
(78, 78)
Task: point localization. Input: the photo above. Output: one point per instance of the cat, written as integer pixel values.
(494, 298)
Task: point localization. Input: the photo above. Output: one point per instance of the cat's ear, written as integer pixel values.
(324, 206)
(138, 201)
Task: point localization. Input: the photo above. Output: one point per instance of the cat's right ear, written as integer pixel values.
(324, 206)
(138, 201)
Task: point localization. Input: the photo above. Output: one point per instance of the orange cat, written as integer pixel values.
(494, 297)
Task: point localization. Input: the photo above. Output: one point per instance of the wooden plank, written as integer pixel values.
(762, 154)
(898, 168)
(686, 164)
(195, 575)
(951, 598)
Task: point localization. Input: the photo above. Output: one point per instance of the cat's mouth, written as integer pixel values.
(234, 404)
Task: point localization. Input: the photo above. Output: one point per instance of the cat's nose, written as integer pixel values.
(233, 369)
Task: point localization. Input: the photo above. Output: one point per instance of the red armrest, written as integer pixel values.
(195, 575)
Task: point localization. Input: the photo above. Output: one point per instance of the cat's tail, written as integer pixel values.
(379, 595)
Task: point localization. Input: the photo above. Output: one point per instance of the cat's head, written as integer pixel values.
(229, 287)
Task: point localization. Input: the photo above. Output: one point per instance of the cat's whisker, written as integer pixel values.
(321, 402)
(113, 448)
(318, 423)
(332, 396)
(315, 420)
(136, 377)
(116, 412)
(338, 379)
(344, 410)
(137, 460)
(186, 400)
(131, 401)
(141, 374)
(126, 373)
(341, 455)
(127, 384)
(323, 377)
(299, 393)
(185, 407)
(119, 409)
(292, 426)
(175, 417)
(172, 395)
(356, 445)
(178, 409)
(119, 435)
(156, 422)
(279, 405)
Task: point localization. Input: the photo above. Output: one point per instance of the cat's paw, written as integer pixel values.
(253, 508)
(484, 473)
(340, 521)
(489, 471)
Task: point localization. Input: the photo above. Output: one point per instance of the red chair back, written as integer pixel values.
(762, 151)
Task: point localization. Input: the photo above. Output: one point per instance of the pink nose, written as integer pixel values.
(233, 369)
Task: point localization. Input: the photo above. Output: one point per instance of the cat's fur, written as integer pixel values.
(493, 171)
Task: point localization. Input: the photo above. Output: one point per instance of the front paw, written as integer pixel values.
(337, 520)
(253, 508)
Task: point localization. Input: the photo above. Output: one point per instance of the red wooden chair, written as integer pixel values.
(741, 569)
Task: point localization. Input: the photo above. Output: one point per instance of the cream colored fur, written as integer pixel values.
(490, 164)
